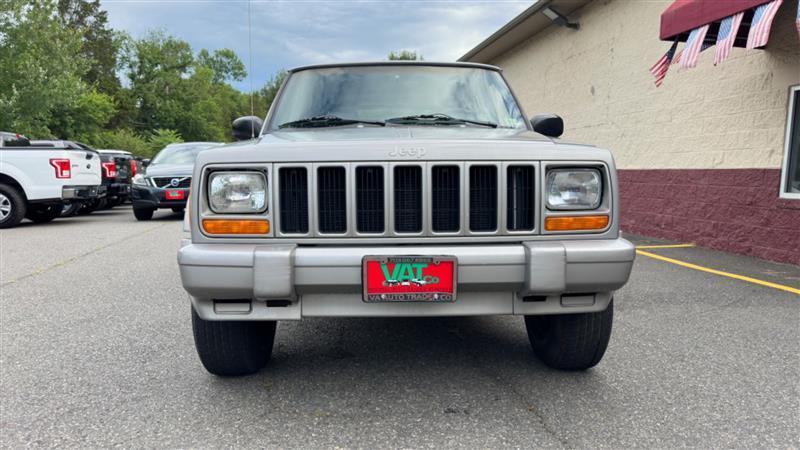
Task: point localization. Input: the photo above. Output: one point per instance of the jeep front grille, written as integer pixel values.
(408, 199)
(402, 199)
(445, 199)
(370, 210)
(519, 198)
(293, 193)
(332, 199)
(483, 198)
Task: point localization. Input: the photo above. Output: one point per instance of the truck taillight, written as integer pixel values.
(63, 168)
(109, 169)
(133, 167)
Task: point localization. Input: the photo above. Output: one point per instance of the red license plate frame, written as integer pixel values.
(175, 194)
(409, 278)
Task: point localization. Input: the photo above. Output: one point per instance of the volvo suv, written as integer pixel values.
(166, 180)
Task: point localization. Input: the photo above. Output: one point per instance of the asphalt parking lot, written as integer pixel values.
(96, 350)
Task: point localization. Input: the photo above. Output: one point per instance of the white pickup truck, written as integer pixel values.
(36, 181)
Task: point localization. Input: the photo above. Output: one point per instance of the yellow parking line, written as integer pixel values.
(666, 246)
(720, 273)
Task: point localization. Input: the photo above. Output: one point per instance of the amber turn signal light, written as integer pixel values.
(232, 226)
(575, 223)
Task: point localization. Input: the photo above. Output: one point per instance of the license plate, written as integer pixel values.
(409, 278)
(175, 195)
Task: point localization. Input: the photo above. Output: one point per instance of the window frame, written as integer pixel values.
(794, 92)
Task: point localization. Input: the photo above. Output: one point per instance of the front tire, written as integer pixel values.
(233, 348)
(571, 341)
(143, 213)
(12, 206)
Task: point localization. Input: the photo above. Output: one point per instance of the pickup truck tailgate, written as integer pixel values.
(85, 167)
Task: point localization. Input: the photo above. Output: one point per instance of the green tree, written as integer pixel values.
(122, 139)
(84, 119)
(160, 138)
(405, 55)
(99, 43)
(224, 64)
(156, 66)
(40, 71)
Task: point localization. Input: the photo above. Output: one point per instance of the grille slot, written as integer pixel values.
(166, 182)
(293, 191)
(483, 198)
(332, 199)
(408, 199)
(519, 198)
(369, 199)
(445, 201)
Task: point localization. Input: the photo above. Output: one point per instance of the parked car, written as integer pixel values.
(166, 179)
(82, 206)
(118, 167)
(37, 177)
(368, 176)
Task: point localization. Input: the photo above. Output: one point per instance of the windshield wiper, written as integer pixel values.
(327, 121)
(437, 119)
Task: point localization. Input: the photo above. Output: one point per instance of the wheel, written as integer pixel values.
(177, 209)
(69, 210)
(12, 206)
(233, 348)
(43, 213)
(143, 213)
(571, 341)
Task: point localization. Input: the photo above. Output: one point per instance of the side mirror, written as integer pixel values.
(548, 125)
(145, 162)
(247, 127)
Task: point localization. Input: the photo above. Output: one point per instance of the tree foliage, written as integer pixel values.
(405, 55)
(60, 70)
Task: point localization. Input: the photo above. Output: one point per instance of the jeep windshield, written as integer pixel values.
(408, 95)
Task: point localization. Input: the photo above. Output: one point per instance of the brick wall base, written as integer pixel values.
(736, 210)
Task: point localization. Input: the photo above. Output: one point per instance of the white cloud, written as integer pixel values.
(292, 33)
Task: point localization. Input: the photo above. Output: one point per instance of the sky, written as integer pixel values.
(287, 34)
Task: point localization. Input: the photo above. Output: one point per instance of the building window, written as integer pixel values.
(790, 174)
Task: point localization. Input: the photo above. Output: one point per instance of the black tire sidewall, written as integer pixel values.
(143, 213)
(18, 206)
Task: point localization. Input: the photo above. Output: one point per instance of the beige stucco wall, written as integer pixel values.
(729, 116)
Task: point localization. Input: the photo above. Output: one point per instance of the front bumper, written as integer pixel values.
(286, 281)
(82, 192)
(151, 197)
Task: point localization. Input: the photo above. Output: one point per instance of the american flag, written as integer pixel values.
(694, 45)
(726, 36)
(762, 22)
(660, 68)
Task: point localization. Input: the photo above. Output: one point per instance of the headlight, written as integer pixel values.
(139, 179)
(572, 189)
(237, 192)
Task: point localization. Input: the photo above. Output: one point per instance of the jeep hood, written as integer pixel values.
(366, 133)
(400, 143)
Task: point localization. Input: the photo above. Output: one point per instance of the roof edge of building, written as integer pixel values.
(524, 25)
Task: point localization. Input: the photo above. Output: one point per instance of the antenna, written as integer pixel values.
(250, 71)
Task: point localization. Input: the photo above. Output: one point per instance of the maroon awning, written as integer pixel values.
(683, 16)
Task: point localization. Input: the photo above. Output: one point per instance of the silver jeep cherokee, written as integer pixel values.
(402, 189)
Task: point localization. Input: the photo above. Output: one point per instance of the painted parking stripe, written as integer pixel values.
(719, 272)
(666, 246)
